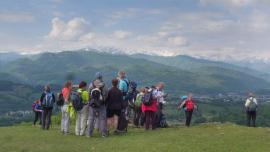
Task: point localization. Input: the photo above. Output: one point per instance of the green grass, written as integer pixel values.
(202, 138)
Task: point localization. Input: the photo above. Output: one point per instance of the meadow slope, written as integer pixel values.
(201, 138)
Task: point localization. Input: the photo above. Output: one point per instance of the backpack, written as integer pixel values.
(131, 97)
(147, 98)
(96, 99)
(138, 101)
(76, 100)
(60, 101)
(189, 105)
(48, 100)
(252, 106)
(125, 92)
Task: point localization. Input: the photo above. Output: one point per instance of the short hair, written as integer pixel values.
(122, 74)
(68, 84)
(115, 82)
(82, 84)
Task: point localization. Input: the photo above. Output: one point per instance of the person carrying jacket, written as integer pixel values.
(66, 91)
(251, 106)
(37, 109)
(189, 105)
(114, 105)
(97, 114)
(47, 101)
(82, 115)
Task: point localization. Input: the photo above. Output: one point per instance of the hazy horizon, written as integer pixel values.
(214, 29)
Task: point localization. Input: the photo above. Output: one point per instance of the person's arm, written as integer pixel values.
(182, 105)
(53, 98)
(42, 97)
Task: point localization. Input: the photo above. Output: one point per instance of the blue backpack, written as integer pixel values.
(48, 100)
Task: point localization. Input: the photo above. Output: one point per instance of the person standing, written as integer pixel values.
(66, 91)
(114, 105)
(82, 115)
(189, 105)
(98, 93)
(37, 109)
(149, 109)
(47, 101)
(138, 116)
(251, 110)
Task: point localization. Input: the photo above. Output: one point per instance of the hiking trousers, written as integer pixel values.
(188, 117)
(37, 117)
(149, 119)
(98, 115)
(46, 118)
(138, 116)
(81, 120)
(65, 119)
(251, 118)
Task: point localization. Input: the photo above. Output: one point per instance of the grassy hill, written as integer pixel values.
(202, 138)
(56, 67)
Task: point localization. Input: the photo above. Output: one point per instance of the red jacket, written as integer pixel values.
(153, 107)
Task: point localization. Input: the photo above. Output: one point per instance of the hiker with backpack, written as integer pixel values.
(47, 101)
(138, 116)
(131, 97)
(160, 97)
(65, 121)
(149, 108)
(98, 93)
(37, 109)
(251, 106)
(124, 117)
(114, 106)
(188, 104)
(83, 111)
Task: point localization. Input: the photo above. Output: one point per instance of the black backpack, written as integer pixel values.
(147, 98)
(60, 101)
(96, 98)
(76, 100)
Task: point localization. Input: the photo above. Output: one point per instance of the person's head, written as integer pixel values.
(142, 90)
(115, 82)
(68, 84)
(190, 96)
(160, 85)
(82, 85)
(37, 101)
(98, 75)
(250, 94)
(122, 74)
(47, 88)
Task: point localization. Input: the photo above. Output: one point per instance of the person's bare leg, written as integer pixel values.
(115, 122)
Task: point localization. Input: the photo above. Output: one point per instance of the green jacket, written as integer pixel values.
(85, 95)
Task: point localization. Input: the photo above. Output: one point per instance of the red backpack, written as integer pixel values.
(190, 105)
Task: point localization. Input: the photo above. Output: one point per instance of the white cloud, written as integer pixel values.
(122, 34)
(16, 17)
(71, 30)
(234, 3)
(177, 41)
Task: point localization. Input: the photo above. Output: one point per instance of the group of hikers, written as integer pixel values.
(95, 106)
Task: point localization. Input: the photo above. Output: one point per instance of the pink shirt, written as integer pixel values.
(66, 93)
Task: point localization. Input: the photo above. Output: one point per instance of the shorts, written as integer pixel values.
(111, 113)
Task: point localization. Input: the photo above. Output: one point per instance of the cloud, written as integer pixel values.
(16, 17)
(122, 34)
(234, 3)
(71, 30)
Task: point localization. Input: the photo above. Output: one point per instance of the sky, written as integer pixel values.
(217, 29)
